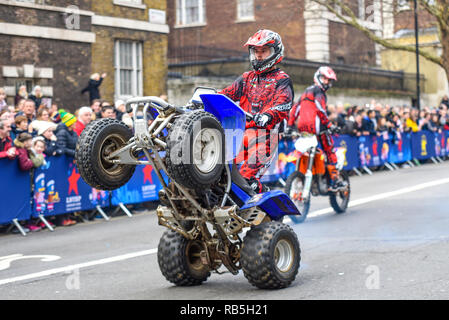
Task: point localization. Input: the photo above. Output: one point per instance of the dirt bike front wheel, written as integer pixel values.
(340, 200)
(294, 188)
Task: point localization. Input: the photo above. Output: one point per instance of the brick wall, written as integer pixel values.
(43, 18)
(406, 20)
(349, 45)
(70, 61)
(222, 30)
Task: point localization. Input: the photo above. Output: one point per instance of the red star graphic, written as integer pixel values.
(73, 182)
(147, 174)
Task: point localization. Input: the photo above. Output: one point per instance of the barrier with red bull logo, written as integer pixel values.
(58, 186)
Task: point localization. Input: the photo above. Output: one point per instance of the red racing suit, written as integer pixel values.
(309, 113)
(271, 93)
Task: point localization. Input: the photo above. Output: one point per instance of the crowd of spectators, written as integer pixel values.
(382, 119)
(31, 131)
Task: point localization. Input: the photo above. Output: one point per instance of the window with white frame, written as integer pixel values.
(128, 69)
(403, 5)
(190, 12)
(245, 9)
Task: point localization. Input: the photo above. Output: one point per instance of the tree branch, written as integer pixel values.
(351, 20)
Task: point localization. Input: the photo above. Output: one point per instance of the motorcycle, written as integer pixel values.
(205, 204)
(311, 176)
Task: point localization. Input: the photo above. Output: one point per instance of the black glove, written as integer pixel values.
(334, 129)
(262, 119)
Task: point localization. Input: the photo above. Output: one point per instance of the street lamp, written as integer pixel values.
(418, 89)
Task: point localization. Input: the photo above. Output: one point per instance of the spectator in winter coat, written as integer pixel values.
(84, 118)
(7, 149)
(92, 87)
(36, 96)
(38, 149)
(369, 123)
(3, 104)
(20, 125)
(21, 94)
(445, 101)
(23, 142)
(28, 110)
(51, 147)
(66, 137)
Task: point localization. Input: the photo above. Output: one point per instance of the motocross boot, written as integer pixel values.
(335, 182)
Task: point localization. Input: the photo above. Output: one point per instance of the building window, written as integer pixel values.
(190, 12)
(245, 9)
(403, 5)
(128, 69)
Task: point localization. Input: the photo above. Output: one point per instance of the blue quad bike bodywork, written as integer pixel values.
(233, 119)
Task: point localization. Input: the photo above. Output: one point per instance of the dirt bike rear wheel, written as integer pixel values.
(99, 139)
(270, 255)
(294, 188)
(340, 200)
(179, 260)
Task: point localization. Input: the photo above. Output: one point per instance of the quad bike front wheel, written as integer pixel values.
(180, 260)
(97, 141)
(270, 255)
(195, 150)
(294, 188)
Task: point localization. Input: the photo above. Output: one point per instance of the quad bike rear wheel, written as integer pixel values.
(180, 261)
(270, 255)
(195, 150)
(98, 140)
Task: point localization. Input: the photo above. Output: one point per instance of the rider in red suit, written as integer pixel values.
(267, 94)
(309, 115)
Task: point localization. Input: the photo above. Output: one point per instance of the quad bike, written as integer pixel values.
(311, 176)
(205, 203)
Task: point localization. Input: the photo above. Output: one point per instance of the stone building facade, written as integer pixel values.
(58, 44)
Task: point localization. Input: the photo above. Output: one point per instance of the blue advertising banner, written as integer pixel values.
(423, 145)
(445, 143)
(60, 189)
(400, 148)
(350, 145)
(143, 186)
(373, 150)
(440, 144)
(15, 192)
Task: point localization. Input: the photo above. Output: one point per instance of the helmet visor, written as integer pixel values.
(258, 53)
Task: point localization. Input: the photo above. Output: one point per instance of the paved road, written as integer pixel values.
(392, 243)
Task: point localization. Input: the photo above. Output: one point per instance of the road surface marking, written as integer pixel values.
(379, 196)
(153, 251)
(78, 266)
